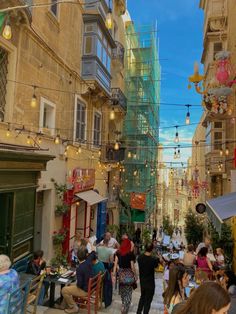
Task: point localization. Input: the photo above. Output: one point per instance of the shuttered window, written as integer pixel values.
(97, 129)
(80, 134)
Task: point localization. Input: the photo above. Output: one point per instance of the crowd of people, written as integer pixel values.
(195, 281)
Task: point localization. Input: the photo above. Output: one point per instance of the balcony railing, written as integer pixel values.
(118, 98)
(118, 53)
(111, 155)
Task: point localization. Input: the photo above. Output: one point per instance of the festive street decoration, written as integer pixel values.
(138, 201)
(216, 96)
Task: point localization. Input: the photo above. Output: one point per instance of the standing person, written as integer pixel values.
(126, 236)
(154, 234)
(125, 259)
(220, 259)
(189, 258)
(206, 243)
(83, 274)
(147, 265)
(112, 243)
(9, 281)
(174, 293)
(203, 262)
(209, 298)
(76, 245)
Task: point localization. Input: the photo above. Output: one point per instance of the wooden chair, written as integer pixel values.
(101, 290)
(34, 292)
(93, 297)
(17, 300)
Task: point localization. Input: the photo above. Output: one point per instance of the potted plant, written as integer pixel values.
(59, 236)
(61, 209)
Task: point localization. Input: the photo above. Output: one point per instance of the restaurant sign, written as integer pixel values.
(82, 179)
(138, 201)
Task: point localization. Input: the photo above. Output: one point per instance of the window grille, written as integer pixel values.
(3, 81)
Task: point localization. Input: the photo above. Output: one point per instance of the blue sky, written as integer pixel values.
(180, 32)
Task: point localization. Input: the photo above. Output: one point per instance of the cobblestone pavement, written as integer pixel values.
(156, 308)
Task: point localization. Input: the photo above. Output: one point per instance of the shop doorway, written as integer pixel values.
(6, 201)
(38, 221)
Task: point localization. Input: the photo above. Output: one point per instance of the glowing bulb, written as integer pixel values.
(99, 152)
(28, 141)
(109, 22)
(123, 170)
(135, 173)
(221, 152)
(65, 152)
(33, 103)
(135, 156)
(79, 150)
(208, 171)
(57, 140)
(227, 151)
(129, 155)
(92, 156)
(8, 133)
(40, 140)
(77, 203)
(176, 137)
(112, 114)
(230, 111)
(7, 33)
(187, 121)
(116, 146)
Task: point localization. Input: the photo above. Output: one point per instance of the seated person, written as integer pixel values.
(97, 266)
(80, 289)
(35, 266)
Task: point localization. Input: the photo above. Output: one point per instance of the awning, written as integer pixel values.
(91, 197)
(221, 208)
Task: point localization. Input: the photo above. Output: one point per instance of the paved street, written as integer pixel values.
(157, 305)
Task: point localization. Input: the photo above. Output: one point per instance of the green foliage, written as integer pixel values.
(146, 236)
(193, 228)
(168, 228)
(224, 241)
(59, 237)
(59, 260)
(60, 189)
(61, 209)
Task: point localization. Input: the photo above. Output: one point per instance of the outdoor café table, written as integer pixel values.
(57, 280)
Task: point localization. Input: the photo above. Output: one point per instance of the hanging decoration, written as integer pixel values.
(216, 95)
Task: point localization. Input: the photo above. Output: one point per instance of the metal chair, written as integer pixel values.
(17, 299)
(34, 292)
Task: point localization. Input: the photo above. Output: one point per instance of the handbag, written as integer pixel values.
(126, 277)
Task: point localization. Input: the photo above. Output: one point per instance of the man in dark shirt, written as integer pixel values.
(147, 265)
(83, 273)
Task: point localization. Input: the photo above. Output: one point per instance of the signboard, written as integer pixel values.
(138, 201)
(82, 179)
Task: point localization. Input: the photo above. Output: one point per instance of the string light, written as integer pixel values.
(7, 32)
(221, 152)
(57, 139)
(99, 153)
(135, 172)
(187, 120)
(79, 149)
(109, 22)
(33, 103)
(8, 133)
(116, 146)
(112, 114)
(176, 140)
(175, 154)
(28, 140)
(129, 155)
(135, 156)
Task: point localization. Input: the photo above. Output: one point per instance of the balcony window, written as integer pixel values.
(88, 45)
(3, 81)
(218, 136)
(80, 123)
(97, 129)
(47, 116)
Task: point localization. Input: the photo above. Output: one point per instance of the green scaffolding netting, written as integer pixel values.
(141, 126)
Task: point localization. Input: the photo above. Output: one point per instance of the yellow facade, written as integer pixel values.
(45, 59)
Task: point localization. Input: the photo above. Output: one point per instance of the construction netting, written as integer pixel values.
(141, 125)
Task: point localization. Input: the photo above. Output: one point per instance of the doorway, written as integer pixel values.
(38, 221)
(6, 201)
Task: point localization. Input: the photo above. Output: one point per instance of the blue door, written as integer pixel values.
(101, 220)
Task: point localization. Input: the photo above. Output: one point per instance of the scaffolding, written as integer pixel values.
(141, 125)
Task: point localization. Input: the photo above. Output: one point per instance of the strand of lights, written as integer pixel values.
(187, 120)
(33, 103)
(176, 140)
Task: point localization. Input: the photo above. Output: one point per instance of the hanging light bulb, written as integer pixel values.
(109, 22)
(39, 140)
(178, 154)
(123, 170)
(99, 153)
(57, 139)
(112, 114)
(8, 133)
(175, 154)
(65, 152)
(116, 146)
(129, 155)
(176, 140)
(92, 156)
(33, 103)
(187, 120)
(28, 141)
(227, 151)
(79, 149)
(135, 156)
(221, 152)
(208, 171)
(135, 172)
(7, 33)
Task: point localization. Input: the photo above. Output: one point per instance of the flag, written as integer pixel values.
(2, 18)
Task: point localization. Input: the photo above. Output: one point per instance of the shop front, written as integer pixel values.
(87, 207)
(19, 173)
